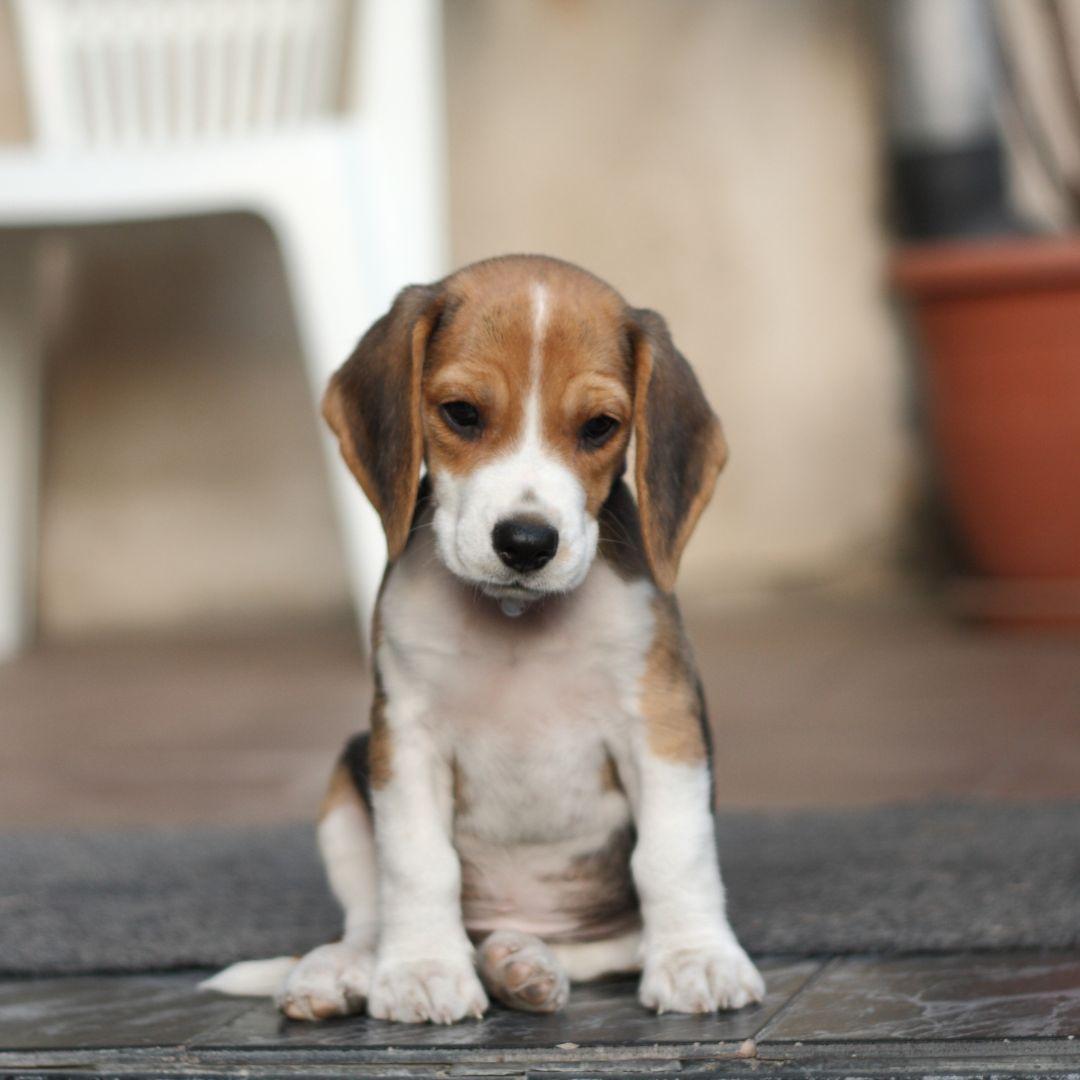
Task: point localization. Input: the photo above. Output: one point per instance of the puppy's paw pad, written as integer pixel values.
(700, 980)
(421, 991)
(332, 980)
(522, 972)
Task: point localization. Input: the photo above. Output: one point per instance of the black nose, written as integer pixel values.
(525, 544)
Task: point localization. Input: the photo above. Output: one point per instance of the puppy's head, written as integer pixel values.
(519, 381)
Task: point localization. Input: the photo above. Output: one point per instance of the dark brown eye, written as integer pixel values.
(598, 430)
(462, 417)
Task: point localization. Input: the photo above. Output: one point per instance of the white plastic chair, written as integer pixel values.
(159, 108)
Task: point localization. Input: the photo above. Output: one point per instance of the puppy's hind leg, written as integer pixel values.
(521, 971)
(333, 980)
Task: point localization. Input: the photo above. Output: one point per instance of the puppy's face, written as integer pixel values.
(527, 401)
(519, 381)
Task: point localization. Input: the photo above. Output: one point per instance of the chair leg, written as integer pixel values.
(333, 305)
(20, 422)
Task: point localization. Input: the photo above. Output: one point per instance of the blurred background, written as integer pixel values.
(858, 219)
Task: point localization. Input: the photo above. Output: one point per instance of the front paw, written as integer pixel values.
(699, 979)
(441, 991)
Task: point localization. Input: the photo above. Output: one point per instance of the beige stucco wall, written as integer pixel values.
(714, 160)
(12, 114)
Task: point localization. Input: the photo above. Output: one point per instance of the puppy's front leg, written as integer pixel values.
(424, 965)
(692, 961)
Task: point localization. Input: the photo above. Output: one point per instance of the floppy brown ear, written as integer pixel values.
(679, 446)
(373, 406)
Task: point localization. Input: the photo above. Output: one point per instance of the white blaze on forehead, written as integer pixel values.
(540, 312)
(531, 427)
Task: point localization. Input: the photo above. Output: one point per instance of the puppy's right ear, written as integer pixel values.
(373, 406)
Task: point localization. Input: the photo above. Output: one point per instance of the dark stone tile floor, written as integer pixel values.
(941, 997)
(999, 1015)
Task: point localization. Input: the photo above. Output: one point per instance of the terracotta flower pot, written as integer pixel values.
(1000, 333)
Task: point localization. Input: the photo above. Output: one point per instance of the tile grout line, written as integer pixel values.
(809, 981)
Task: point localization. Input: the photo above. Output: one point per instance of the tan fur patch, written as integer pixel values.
(339, 791)
(609, 776)
(380, 748)
(669, 699)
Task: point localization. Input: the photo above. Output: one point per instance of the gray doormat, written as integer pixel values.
(917, 878)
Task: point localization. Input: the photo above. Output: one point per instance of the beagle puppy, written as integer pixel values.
(533, 805)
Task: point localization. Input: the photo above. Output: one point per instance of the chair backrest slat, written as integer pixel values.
(103, 73)
(156, 87)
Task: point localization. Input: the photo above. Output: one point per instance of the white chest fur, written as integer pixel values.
(528, 707)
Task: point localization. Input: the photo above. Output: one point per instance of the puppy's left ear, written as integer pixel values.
(373, 406)
(679, 445)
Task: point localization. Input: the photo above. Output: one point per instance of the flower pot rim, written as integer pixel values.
(999, 265)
